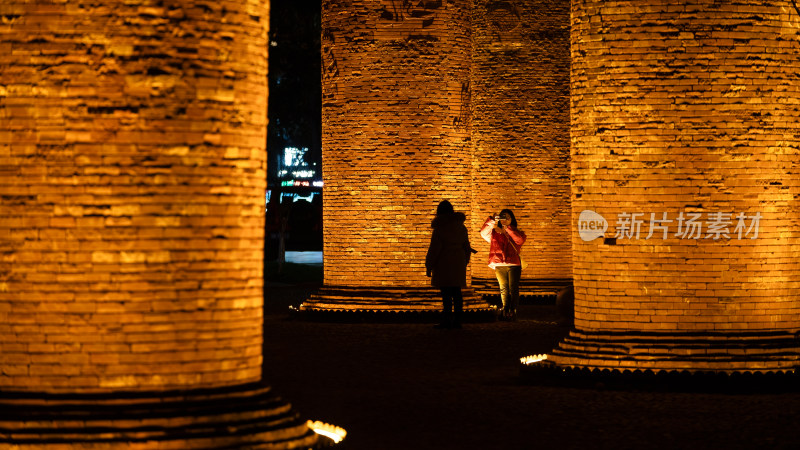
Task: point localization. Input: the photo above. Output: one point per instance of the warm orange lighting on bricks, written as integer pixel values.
(519, 99)
(132, 140)
(449, 101)
(684, 139)
(132, 241)
(395, 143)
(393, 146)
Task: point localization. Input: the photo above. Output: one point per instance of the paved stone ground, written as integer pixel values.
(409, 386)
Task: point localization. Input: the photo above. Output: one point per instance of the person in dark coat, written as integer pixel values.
(446, 261)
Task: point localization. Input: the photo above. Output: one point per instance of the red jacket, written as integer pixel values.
(502, 245)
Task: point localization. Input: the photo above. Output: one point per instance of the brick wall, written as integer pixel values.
(520, 129)
(691, 109)
(466, 101)
(395, 134)
(132, 153)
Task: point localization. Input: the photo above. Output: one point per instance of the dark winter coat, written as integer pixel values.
(449, 252)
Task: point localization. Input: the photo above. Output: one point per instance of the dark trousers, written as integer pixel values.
(508, 278)
(451, 297)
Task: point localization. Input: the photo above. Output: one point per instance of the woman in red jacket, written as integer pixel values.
(505, 242)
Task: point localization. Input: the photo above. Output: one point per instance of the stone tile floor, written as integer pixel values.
(409, 386)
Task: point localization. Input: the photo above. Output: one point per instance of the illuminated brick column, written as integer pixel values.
(395, 137)
(132, 140)
(686, 109)
(520, 133)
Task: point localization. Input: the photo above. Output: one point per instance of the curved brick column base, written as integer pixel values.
(406, 302)
(752, 352)
(249, 417)
(528, 287)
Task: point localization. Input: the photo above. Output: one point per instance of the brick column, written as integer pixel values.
(520, 134)
(131, 225)
(395, 137)
(686, 111)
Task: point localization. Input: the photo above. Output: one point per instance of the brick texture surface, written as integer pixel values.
(132, 155)
(520, 129)
(458, 100)
(686, 111)
(395, 134)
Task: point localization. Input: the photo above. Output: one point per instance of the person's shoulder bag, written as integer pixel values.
(522, 261)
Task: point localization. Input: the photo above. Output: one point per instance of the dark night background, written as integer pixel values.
(295, 90)
(295, 115)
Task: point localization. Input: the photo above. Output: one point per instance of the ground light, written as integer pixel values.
(533, 359)
(332, 432)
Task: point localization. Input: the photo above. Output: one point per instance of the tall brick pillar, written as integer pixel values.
(520, 134)
(395, 138)
(132, 141)
(687, 112)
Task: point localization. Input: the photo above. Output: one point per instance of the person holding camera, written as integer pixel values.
(446, 261)
(505, 241)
